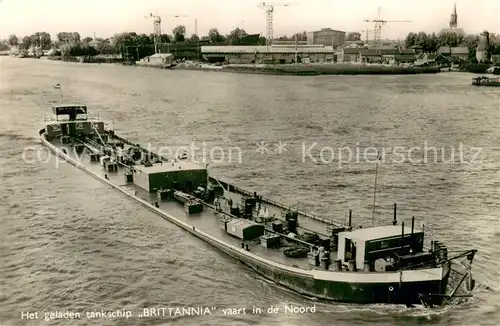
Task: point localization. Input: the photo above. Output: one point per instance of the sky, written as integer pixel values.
(107, 17)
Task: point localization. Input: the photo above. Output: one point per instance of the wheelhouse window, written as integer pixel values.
(384, 244)
(56, 128)
(79, 126)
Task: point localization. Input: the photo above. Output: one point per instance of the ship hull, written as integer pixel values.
(359, 287)
(349, 292)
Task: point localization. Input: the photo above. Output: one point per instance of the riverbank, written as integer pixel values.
(311, 69)
(330, 69)
(294, 69)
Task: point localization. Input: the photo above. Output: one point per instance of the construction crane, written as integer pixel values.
(157, 29)
(269, 8)
(377, 30)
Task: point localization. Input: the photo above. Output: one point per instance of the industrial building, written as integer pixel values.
(327, 37)
(265, 54)
(157, 60)
(362, 54)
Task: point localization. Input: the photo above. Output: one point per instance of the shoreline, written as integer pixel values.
(293, 69)
(315, 70)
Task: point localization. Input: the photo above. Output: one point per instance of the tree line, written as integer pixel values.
(430, 42)
(71, 43)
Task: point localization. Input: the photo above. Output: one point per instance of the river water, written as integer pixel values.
(70, 243)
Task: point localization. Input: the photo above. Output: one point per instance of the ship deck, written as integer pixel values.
(208, 219)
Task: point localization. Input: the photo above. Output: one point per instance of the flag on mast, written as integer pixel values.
(57, 86)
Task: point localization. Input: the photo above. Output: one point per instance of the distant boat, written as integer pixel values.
(486, 81)
(493, 70)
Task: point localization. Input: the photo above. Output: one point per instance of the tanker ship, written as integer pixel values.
(311, 255)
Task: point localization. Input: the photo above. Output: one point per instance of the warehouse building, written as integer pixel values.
(327, 37)
(271, 54)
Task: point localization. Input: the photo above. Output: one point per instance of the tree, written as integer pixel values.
(87, 40)
(143, 40)
(471, 41)
(300, 36)
(41, 39)
(215, 36)
(66, 37)
(236, 34)
(13, 40)
(62, 37)
(432, 43)
(75, 37)
(410, 39)
(428, 42)
(353, 36)
(494, 40)
(34, 40)
(179, 33)
(104, 46)
(26, 42)
(77, 49)
(194, 38)
(46, 40)
(165, 38)
(450, 38)
(422, 41)
(122, 41)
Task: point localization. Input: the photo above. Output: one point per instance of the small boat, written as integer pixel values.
(493, 70)
(486, 81)
(308, 254)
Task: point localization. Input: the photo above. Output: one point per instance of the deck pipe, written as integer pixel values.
(412, 224)
(394, 222)
(350, 217)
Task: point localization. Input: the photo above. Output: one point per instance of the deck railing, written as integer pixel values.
(268, 200)
(88, 118)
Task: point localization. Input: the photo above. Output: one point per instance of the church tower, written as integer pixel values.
(453, 17)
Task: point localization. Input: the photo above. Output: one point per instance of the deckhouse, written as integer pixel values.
(72, 120)
(363, 247)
